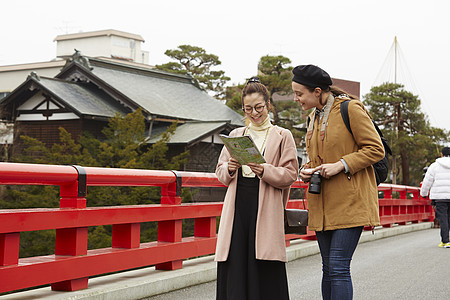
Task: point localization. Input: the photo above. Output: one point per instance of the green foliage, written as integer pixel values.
(148, 231)
(33, 196)
(233, 97)
(196, 62)
(124, 146)
(66, 152)
(414, 142)
(37, 243)
(124, 140)
(99, 237)
(275, 73)
(156, 157)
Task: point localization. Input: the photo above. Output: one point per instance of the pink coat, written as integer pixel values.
(280, 171)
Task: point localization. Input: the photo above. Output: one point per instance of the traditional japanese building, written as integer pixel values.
(87, 92)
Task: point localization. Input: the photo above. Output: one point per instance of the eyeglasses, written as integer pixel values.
(257, 108)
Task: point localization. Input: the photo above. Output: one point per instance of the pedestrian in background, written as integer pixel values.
(437, 184)
(251, 247)
(347, 198)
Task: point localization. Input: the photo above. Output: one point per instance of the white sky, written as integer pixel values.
(350, 39)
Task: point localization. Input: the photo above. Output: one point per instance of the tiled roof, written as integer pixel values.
(81, 97)
(189, 132)
(167, 95)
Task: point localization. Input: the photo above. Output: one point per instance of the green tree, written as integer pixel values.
(66, 152)
(275, 73)
(233, 98)
(156, 157)
(196, 62)
(123, 147)
(124, 138)
(413, 140)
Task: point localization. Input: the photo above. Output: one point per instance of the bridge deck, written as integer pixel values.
(408, 266)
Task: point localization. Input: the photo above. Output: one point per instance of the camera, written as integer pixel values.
(314, 183)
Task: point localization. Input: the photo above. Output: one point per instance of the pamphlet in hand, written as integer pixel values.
(243, 149)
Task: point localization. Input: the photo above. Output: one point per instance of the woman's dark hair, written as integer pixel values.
(446, 151)
(336, 91)
(255, 86)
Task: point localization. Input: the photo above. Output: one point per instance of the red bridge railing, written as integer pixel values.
(72, 264)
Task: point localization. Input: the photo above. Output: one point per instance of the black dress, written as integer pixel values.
(242, 276)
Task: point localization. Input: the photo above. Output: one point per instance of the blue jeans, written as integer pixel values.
(337, 248)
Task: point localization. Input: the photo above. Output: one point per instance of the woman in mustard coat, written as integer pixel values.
(348, 198)
(251, 251)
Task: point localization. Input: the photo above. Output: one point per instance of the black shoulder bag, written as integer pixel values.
(296, 220)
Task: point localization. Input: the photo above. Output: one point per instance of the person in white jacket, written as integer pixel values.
(437, 184)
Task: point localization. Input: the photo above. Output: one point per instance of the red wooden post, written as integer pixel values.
(403, 213)
(126, 235)
(70, 285)
(172, 230)
(387, 194)
(9, 248)
(72, 241)
(205, 227)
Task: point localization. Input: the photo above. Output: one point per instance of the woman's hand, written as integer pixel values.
(306, 173)
(233, 165)
(328, 170)
(256, 168)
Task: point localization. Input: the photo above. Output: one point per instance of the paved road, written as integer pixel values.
(407, 266)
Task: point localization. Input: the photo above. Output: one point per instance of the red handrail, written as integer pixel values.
(72, 264)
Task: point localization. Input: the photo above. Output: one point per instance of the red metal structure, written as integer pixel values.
(72, 264)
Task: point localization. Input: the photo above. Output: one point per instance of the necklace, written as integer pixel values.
(260, 150)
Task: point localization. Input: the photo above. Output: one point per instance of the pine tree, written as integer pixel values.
(414, 142)
(196, 62)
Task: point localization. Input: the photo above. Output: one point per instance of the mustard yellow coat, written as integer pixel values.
(343, 202)
(280, 171)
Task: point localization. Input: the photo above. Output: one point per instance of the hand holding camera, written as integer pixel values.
(305, 174)
(314, 178)
(315, 175)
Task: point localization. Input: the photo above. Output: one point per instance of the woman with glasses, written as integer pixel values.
(251, 251)
(348, 198)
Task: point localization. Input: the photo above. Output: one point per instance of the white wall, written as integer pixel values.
(90, 46)
(9, 80)
(106, 46)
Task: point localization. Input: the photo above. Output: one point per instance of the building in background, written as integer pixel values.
(110, 45)
(107, 44)
(104, 43)
(87, 92)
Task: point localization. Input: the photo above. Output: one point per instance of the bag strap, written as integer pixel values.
(344, 114)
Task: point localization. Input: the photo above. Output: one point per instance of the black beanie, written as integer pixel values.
(445, 151)
(311, 76)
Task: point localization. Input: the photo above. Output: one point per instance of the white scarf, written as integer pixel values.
(259, 134)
